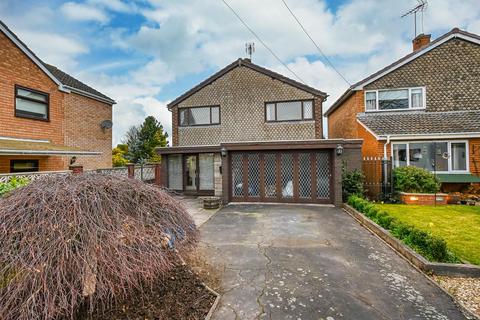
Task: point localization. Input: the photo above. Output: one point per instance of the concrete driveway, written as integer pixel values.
(313, 262)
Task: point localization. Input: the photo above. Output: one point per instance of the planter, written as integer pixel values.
(211, 202)
(425, 199)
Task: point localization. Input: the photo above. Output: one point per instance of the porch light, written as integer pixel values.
(339, 149)
(413, 198)
(223, 152)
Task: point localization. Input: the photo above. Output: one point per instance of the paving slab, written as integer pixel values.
(313, 262)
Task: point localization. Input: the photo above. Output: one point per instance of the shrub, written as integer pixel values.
(13, 183)
(352, 183)
(66, 238)
(413, 179)
(429, 246)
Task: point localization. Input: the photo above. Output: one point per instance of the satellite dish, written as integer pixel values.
(106, 124)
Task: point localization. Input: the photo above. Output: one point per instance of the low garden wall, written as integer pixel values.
(444, 263)
(426, 199)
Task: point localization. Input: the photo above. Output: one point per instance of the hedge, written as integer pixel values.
(429, 246)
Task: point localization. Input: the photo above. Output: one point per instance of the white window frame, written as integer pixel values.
(449, 150)
(424, 98)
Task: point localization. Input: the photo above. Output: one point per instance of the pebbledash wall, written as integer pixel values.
(241, 94)
(449, 72)
(74, 120)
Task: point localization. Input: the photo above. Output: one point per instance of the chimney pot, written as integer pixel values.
(421, 41)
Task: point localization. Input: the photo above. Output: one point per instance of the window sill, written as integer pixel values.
(290, 122)
(200, 126)
(31, 117)
(396, 110)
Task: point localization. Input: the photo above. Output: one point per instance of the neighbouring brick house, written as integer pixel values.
(47, 116)
(422, 110)
(250, 134)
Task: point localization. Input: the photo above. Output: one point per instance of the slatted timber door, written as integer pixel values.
(281, 176)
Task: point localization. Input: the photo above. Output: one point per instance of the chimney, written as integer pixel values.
(421, 41)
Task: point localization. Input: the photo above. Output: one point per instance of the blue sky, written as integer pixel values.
(144, 53)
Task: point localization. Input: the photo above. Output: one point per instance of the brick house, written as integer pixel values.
(249, 134)
(48, 117)
(422, 110)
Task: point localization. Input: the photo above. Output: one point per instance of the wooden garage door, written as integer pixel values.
(281, 176)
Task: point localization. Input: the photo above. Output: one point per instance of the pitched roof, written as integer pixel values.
(65, 81)
(454, 33)
(70, 82)
(421, 122)
(246, 63)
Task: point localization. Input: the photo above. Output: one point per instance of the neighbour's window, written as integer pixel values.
(442, 156)
(289, 110)
(23, 166)
(371, 100)
(31, 103)
(199, 116)
(394, 99)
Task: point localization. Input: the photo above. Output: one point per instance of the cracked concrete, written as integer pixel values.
(313, 262)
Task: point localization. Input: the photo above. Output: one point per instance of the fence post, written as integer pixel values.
(131, 170)
(158, 174)
(76, 168)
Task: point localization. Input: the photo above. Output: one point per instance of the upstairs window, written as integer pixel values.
(31, 103)
(395, 99)
(199, 116)
(289, 111)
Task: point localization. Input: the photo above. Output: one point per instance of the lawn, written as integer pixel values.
(459, 226)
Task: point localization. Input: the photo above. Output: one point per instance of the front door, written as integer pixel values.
(191, 173)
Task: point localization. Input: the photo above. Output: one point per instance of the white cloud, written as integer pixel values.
(83, 12)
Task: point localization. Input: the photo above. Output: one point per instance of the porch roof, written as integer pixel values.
(421, 122)
(31, 147)
(458, 178)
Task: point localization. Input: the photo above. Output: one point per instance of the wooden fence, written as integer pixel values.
(378, 177)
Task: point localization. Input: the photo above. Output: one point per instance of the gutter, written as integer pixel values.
(87, 94)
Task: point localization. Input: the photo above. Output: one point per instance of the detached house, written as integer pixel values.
(250, 134)
(48, 119)
(422, 110)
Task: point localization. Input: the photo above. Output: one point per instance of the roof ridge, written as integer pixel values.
(247, 63)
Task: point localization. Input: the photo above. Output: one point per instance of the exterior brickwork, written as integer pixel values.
(74, 120)
(82, 130)
(17, 69)
(342, 122)
(450, 73)
(474, 146)
(241, 94)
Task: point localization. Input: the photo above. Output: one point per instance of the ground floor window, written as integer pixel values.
(191, 172)
(23, 165)
(440, 156)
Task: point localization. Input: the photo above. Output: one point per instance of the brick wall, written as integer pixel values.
(241, 94)
(82, 129)
(474, 152)
(74, 120)
(44, 163)
(17, 68)
(449, 72)
(342, 122)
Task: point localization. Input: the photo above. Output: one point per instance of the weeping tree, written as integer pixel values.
(142, 141)
(69, 240)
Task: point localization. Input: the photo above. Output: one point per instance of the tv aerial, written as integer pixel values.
(250, 49)
(421, 7)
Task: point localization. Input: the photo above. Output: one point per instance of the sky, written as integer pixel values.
(145, 53)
